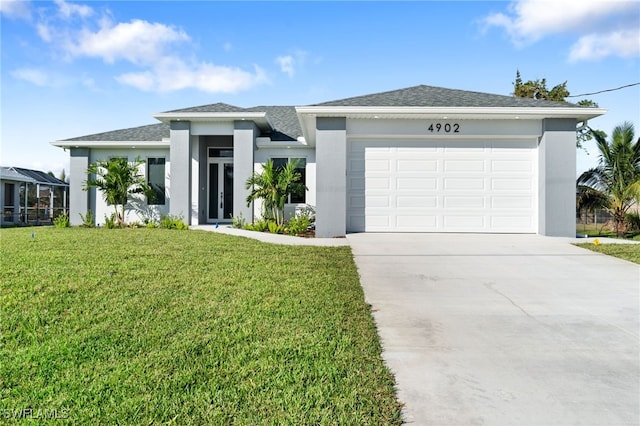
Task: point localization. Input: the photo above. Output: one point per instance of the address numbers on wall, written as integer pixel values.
(444, 128)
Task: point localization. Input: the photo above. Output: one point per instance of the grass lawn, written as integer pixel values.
(630, 252)
(142, 326)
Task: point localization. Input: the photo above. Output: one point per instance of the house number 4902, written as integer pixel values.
(445, 128)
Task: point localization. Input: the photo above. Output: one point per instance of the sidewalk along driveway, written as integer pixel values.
(504, 329)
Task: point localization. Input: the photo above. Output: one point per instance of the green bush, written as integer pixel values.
(275, 228)
(238, 222)
(110, 222)
(173, 222)
(298, 225)
(259, 226)
(87, 220)
(61, 221)
(632, 221)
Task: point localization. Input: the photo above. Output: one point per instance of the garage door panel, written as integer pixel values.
(465, 184)
(357, 184)
(467, 222)
(510, 223)
(468, 202)
(513, 184)
(416, 166)
(378, 221)
(425, 223)
(513, 202)
(442, 186)
(416, 183)
(419, 201)
(377, 201)
(512, 166)
(357, 165)
(381, 165)
(377, 183)
(465, 166)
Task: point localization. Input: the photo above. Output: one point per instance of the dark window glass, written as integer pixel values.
(155, 179)
(218, 152)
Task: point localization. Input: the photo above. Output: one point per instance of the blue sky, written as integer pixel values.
(75, 68)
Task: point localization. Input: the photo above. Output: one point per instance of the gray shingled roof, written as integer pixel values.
(151, 132)
(429, 96)
(219, 107)
(287, 126)
(283, 118)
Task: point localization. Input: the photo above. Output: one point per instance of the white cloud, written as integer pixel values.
(146, 48)
(68, 10)
(289, 64)
(33, 76)
(625, 43)
(286, 64)
(528, 21)
(173, 74)
(44, 32)
(15, 9)
(138, 41)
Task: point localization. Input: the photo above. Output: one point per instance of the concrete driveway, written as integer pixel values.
(504, 329)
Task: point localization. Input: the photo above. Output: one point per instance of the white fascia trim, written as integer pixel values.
(266, 143)
(259, 118)
(454, 112)
(111, 144)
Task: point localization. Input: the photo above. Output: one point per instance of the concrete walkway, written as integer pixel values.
(267, 237)
(505, 329)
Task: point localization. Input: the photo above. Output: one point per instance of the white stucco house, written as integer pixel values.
(420, 159)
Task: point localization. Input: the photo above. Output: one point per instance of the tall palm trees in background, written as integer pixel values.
(616, 179)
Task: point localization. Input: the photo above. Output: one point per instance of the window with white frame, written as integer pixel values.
(301, 167)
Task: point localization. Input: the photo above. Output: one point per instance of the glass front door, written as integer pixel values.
(220, 196)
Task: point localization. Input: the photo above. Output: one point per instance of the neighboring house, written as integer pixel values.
(30, 196)
(420, 159)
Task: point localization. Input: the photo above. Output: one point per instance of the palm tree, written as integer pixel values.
(617, 175)
(117, 179)
(274, 185)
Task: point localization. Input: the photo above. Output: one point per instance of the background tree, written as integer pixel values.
(617, 176)
(117, 179)
(537, 89)
(274, 185)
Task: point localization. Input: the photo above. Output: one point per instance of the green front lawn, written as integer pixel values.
(630, 252)
(141, 326)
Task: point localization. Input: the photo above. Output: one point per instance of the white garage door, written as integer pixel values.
(442, 186)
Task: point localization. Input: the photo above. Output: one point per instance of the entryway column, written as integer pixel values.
(180, 170)
(244, 137)
(331, 181)
(557, 178)
(78, 198)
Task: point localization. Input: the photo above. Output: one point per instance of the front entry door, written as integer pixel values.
(220, 196)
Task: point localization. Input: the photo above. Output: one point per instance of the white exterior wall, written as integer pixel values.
(101, 209)
(262, 155)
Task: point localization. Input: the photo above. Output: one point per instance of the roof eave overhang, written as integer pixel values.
(111, 144)
(14, 178)
(308, 114)
(259, 118)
